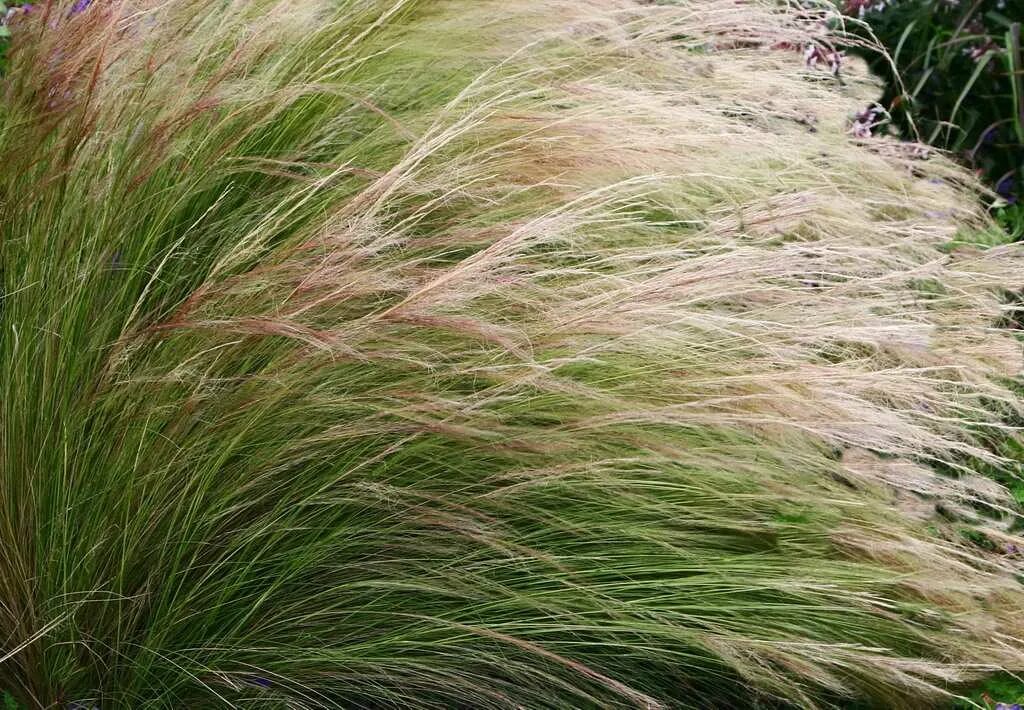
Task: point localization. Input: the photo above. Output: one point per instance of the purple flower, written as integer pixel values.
(978, 51)
(14, 11)
(1004, 188)
(814, 54)
(866, 121)
(80, 6)
(264, 683)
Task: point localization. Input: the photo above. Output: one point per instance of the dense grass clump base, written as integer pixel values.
(370, 353)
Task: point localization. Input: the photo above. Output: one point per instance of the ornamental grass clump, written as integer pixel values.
(448, 353)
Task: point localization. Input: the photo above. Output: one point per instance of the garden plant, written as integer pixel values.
(490, 354)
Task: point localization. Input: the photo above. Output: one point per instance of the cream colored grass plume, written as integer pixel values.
(480, 353)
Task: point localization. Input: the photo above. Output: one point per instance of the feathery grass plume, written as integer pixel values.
(448, 353)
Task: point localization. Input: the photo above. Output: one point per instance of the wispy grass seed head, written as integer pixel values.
(386, 353)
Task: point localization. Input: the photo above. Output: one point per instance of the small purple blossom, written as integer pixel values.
(80, 6)
(1005, 188)
(815, 54)
(865, 122)
(977, 51)
(14, 11)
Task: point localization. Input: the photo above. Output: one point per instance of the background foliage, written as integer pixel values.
(962, 85)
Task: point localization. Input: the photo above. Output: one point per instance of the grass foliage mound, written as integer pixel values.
(484, 353)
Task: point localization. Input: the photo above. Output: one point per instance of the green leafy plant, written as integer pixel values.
(1000, 692)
